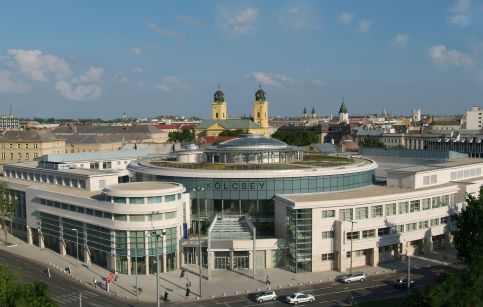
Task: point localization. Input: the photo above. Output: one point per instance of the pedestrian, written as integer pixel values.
(267, 281)
(188, 283)
(165, 298)
(109, 277)
(48, 272)
(67, 269)
(95, 282)
(116, 275)
(188, 291)
(107, 286)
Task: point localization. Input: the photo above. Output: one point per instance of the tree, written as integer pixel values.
(14, 292)
(371, 142)
(236, 132)
(299, 138)
(8, 207)
(185, 135)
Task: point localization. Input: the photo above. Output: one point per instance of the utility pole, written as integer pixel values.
(80, 299)
(77, 247)
(199, 234)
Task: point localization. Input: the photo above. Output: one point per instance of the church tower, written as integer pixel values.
(314, 115)
(218, 106)
(260, 110)
(343, 114)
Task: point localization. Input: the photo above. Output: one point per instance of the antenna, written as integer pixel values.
(218, 85)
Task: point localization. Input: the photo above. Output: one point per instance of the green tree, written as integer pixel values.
(185, 135)
(16, 293)
(371, 142)
(8, 207)
(236, 132)
(299, 138)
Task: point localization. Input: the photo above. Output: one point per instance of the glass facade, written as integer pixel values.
(299, 237)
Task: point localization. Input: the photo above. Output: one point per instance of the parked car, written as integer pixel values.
(299, 297)
(403, 283)
(356, 276)
(265, 296)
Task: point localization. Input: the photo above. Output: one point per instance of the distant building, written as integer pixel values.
(9, 122)
(416, 115)
(473, 118)
(343, 114)
(17, 146)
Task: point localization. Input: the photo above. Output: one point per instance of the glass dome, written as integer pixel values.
(252, 141)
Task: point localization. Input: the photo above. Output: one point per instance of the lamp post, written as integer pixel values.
(77, 246)
(199, 232)
(156, 238)
(352, 238)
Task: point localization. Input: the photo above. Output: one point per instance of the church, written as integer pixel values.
(220, 120)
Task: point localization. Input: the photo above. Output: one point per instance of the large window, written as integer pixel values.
(371, 233)
(383, 231)
(423, 224)
(328, 213)
(136, 200)
(345, 214)
(327, 234)
(353, 235)
(362, 213)
(328, 257)
(426, 203)
(376, 211)
(414, 206)
(403, 207)
(411, 227)
(391, 209)
(436, 202)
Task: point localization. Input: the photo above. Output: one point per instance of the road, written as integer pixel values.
(337, 294)
(64, 291)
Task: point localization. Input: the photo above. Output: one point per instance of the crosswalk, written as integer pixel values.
(72, 297)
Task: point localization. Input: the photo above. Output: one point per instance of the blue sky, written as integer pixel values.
(102, 58)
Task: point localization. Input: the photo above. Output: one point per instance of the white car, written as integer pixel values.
(356, 276)
(300, 298)
(265, 296)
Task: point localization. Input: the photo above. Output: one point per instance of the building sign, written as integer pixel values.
(235, 186)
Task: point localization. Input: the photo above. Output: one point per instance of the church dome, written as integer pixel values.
(219, 96)
(343, 108)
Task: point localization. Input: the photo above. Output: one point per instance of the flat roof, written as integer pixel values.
(370, 191)
(52, 187)
(143, 186)
(438, 165)
(78, 171)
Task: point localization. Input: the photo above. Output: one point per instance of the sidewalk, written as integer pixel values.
(240, 281)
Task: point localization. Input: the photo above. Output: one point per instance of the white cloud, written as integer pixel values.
(346, 18)
(294, 10)
(7, 85)
(271, 78)
(242, 23)
(364, 26)
(190, 20)
(165, 32)
(169, 83)
(92, 75)
(137, 70)
(136, 50)
(318, 83)
(461, 6)
(78, 92)
(400, 40)
(39, 66)
(459, 20)
(444, 57)
(120, 78)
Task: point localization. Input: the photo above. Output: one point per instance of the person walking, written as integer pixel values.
(95, 282)
(48, 272)
(116, 275)
(165, 298)
(267, 280)
(188, 291)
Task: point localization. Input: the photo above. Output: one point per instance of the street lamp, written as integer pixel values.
(77, 246)
(199, 231)
(352, 238)
(156, 237)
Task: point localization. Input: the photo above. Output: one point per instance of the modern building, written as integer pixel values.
(73, 209)
(473, 118)
(16, 146)
(9, 122)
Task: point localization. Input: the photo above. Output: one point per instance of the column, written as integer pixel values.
(128, 245)
(41, 239)
(62, 249)
(87, 256)
(146, 250)
(375, 256)
(211, 263)
(164, 254)
(111, 262)
(232, 262)
(29, 236)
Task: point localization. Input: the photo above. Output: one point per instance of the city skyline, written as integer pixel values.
(77, 60)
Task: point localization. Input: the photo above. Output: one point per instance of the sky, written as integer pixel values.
(91, 59)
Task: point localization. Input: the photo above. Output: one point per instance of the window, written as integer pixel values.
(26, 145)
(3, 156)
(120, 217)
(169, 198)
(444, 220)
(170, 215)
(426, 204)
(327, 234)
(376, 211)
(328, 213)
(89, 211)
(425, 180)
(400, 228)
(108, 215)
(136, 218)
(436, 202)
(18, 146)
(106, 165)
(423, 224)
(19, 156)
(157, 217)
(94, 165)
(81, 210)
(391, 209)
(72, 208)
(403, 207)
(434, 222)
(154, 200)
(452, 199)
(36, 146)
(27, 156)
(98, 213)
(119, 200)
(328, 257)
(352, 235)
(345, 214)
(383, 231)
(362, 213)
(414, 206)
(444, 200)
(136, 200)
(11, 146)
(11, 156)
(371, 233)
(411, 227)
